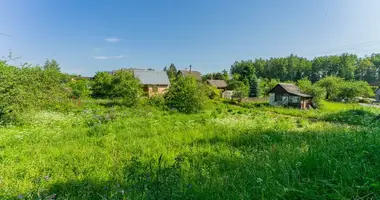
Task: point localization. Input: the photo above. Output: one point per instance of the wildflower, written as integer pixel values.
(46, 178)
(259, 180)
(20, 196)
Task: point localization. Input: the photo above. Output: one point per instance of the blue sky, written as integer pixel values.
(88, 36)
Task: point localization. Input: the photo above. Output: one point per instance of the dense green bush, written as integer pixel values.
(80, 88)
(186, 95)
(126, 87)
(30, 87)
(102, 85)
(212, 92)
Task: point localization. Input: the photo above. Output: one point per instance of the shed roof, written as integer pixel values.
(291, 89)
(217, 83)
(196, 74)
(148, 77)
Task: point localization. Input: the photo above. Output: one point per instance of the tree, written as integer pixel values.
(267, 84)
(245, 70)
(126, 87)
(351, 89)
(172, 72)
(102, 85)
(51, 65)
(254, 90)
(331, 85)
(80, 88)
(186, 95)
(307, 87)
(240, 90)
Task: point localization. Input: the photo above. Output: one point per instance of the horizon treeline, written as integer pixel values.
(293, 68)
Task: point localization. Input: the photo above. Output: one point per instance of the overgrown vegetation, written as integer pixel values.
(226, 151)
(185, 144)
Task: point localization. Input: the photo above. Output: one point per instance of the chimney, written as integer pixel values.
(190, 68)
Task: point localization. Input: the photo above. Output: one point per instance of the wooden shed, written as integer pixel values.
(287, 94)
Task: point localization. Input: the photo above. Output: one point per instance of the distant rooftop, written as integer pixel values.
(148, 77)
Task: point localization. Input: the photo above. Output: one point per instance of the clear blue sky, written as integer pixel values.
(86, 36)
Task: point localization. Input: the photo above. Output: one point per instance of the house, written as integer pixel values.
(219, 84)
(197, 75)
(377, 94)
(154, 82)
(287, 94)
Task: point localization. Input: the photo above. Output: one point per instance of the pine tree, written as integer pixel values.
(254, 90)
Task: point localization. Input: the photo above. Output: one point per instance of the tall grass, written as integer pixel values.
(226, 152)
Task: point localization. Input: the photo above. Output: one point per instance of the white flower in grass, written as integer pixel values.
(259, 180)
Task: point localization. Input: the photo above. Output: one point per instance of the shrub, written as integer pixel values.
(212, 92)
(156, 100)
(30, 87)
(126, 87)
(186, 95)
(102, 85)
(80, 88)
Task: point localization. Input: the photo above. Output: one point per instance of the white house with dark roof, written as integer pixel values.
(154, 82)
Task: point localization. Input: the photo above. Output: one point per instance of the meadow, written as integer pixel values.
(246, 151)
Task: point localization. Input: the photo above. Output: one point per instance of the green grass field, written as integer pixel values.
(225, 152)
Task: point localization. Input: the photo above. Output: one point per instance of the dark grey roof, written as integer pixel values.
(218, 83)
(293, 89)
(152, 77)
(196, 74)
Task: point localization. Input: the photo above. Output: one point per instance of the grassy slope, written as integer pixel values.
(228, 152)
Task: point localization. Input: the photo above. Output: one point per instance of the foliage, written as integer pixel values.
(126, 87)
(331, 84)
(254, 90)
(211, 91)
(102, 85)
(80, 88)
(29, 88)
(223, 153)
(267, 85)
(156, 100)
(171, 71)
(293, 68)
(240, 90)
(317, 92)
(186, 95)
(216, 76)
(350, 89)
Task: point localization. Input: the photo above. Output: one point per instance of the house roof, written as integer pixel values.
(217, 83)
(196, 74)
(152, 77)
(291, 89)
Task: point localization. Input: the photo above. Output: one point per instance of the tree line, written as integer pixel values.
(293, 68)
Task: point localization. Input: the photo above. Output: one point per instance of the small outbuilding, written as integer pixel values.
(287, 94)
(219, 84)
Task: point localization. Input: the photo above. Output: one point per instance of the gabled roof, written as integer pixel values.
(291, 89)
(197, 75)
(152, 77)
(217, 83)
